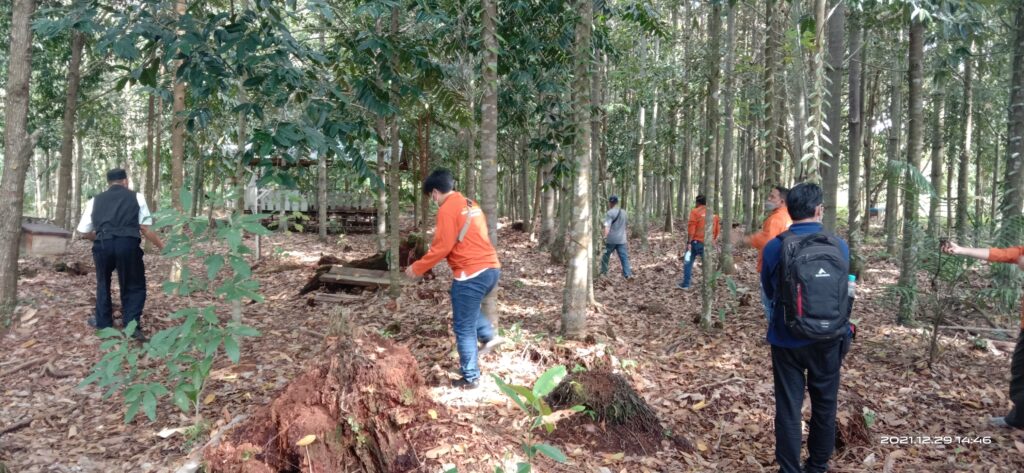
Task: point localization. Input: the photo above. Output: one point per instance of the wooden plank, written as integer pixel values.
(358, 277)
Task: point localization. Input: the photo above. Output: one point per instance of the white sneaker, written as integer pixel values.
(491, 345)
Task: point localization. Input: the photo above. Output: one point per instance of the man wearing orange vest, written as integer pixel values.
(776, 223)
(695, 239)
(1013, 255)
(460, 236)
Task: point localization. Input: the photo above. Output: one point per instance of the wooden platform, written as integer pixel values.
(358, 277)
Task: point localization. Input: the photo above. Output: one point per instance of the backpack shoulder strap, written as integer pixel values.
(470, 213)
(616, 219)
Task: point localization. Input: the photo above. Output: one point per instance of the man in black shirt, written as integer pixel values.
(115, 220)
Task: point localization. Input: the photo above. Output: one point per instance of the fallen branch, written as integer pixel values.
(16, 426)
(25, 365)
(975, 329)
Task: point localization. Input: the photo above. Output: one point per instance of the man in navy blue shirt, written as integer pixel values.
(799, 362)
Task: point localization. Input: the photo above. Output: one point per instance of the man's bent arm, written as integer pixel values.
(151, 236)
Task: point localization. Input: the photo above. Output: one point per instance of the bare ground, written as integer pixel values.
(712, 388)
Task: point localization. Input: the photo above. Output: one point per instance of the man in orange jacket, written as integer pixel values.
(695, 239)
(460, 236)
(776, 223)
(1013, 255)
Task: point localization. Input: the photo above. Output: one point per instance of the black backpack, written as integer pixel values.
(813, 285)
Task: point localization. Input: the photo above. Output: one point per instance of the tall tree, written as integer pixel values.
(576, 300)
(489, 137)
(726, 262)
(962, 192)
(855, 129)
(178, 126)
(709, 144)
(915, 142)
(937, 154)
(836, 56)
(774, 125)
(1013, 195)
(18, 146)
(67, 139)
(394, 173)
(892, 151)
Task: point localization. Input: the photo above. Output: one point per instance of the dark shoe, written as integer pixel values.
(1001, 423)
(462, 383)
(139, 335)
(91, 322)
(491, 345)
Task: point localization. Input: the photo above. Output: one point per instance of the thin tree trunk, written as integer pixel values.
(908, 267)
(394, 176)
(67, 139)
(962, 192)
(18, 146)
(869, 148)
(178, 128)
(856, 128)
(836, 55)
(577, 300)
(938, 144)
(150, 153)
(892, 176)
(77, 191)
(640, 227)
(158, 153)
(710, 145)
(727, 151)
(382, 192)
(772, 65)
(489, 138)
(547, 216)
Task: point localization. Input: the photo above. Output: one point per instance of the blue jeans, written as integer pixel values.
(768, 304)
(696, 249)
(468, 323)
(619, 248)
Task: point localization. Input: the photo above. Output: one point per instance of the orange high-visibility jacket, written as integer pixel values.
(474, 253)
(774, 225)
(695, 228)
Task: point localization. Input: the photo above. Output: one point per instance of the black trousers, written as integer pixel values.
(1016, 415)
(124, 255)
(816, 368)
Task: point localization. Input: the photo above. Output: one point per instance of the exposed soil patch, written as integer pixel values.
(617, 419)
(361, 400)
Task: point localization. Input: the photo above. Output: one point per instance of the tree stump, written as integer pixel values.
(358, 401)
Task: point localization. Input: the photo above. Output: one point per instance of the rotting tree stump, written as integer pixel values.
(360, 400)
(612, 406)
(412, 248)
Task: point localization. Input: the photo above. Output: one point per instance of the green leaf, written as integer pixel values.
(149, 405)
(551, 452)
(181, 398)
(213, 265)
(507, 389)
(246, 331)
(523, 467)
(133, 409)
(548, 381)
(241, 267)
(231, 348)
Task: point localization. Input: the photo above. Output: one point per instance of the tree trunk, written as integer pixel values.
(489, 137)
(382, 192)
(710, 162)
(547, 216)
(150, 153)
(524, 186)
(836, 55)
(394, 175)
(869, 147)
(727, 150)
(157, 153)
(321, 195)
(77, 190)
(640, 227)
(908, 266)
(962, 192)
(577, 300)
(18, 146)
(938, 143)
(67, 139)
(856, 128)
(178, 128)
(892, 151)
(1013, 195)
(775, 126)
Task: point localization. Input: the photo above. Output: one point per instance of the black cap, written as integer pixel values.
(116, 174)
(613, 199)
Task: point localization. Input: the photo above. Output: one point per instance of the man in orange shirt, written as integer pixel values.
(776, 223)
(1013, 255)
(695, 239)
(460, 236)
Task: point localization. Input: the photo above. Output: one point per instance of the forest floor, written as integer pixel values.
(712, 388)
